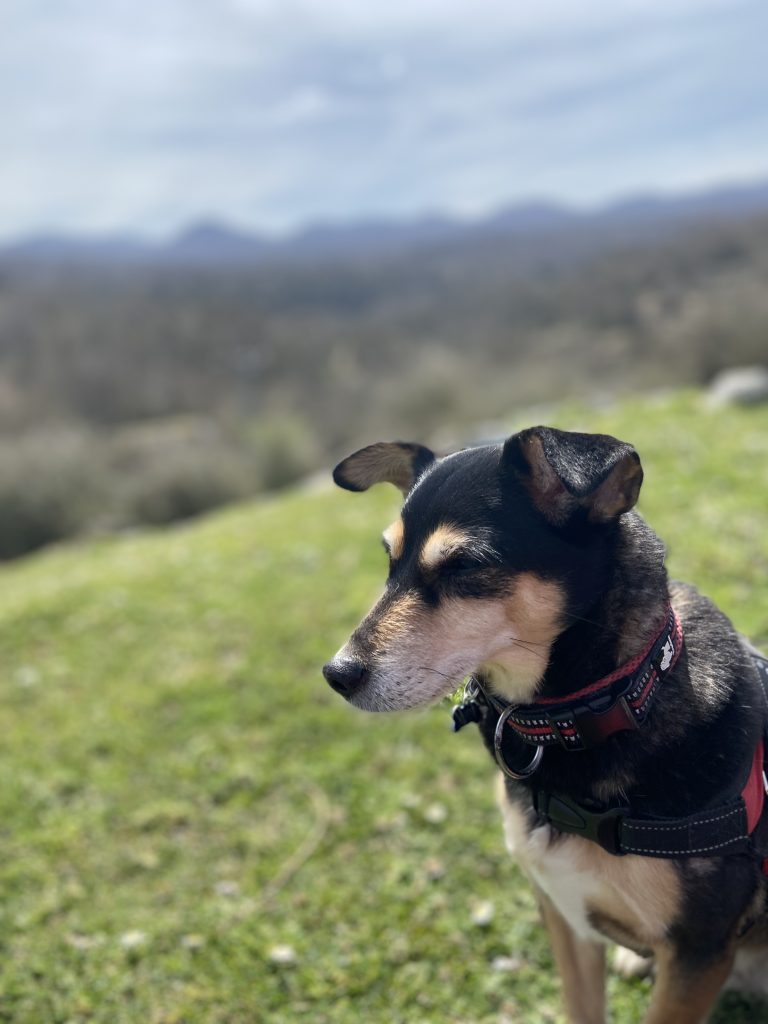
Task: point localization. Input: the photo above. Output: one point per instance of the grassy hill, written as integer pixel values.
(195, 830)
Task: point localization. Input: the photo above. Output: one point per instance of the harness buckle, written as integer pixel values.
(602, 827)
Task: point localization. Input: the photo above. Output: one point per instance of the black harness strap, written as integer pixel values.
(720, 830)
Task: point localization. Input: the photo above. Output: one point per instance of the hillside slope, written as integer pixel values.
(197, 831)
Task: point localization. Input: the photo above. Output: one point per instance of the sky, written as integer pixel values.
(118, 115)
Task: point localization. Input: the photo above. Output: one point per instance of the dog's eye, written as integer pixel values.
(459, 565)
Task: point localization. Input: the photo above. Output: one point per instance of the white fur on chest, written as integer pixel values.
(553, 871)
(579, 877)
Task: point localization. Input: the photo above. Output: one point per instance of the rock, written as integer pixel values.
(133, 940)
(482, 914)
(743, 385)
(435, 814)
(506, 964)
(282, 956)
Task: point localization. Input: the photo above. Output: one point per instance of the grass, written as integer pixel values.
(195, 830)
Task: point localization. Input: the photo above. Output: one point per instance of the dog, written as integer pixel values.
(627, 715)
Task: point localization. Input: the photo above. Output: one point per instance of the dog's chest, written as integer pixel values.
(639, 896)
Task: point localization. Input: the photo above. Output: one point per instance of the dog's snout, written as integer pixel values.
(345, 675)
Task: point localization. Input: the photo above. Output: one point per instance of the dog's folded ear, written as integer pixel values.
(395, 462)
(565, 473)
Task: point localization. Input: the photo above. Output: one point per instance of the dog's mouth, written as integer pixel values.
(389, 686)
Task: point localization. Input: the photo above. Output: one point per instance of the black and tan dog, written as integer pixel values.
(626, 713)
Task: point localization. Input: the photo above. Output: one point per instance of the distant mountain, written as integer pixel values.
(210, 240)
(724, 201)
(54, 248)
(533, 217)
(212, 243)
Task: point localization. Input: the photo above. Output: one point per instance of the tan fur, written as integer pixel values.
(581, 964)
(686, 998)
(640, 894)
(378, 462)
(397, 621)
(422, 653)
(534, 613)
(394, 538)
(444, 541)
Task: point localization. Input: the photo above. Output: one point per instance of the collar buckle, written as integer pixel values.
(594, 727)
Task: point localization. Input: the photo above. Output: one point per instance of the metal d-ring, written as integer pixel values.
(498, 736)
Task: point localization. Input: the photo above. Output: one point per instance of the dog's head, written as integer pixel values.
(494, 553)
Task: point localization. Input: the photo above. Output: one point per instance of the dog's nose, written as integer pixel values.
(345, 675)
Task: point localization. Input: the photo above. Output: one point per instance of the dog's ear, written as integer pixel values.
(396, 462)
(566, 473)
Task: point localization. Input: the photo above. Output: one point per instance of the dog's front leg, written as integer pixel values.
(685, 993)
(581, 964)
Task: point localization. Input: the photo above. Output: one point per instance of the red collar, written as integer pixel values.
(617, 702)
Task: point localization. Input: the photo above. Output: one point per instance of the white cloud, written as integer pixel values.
(269, 112)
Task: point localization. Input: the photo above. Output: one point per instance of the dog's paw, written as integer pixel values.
(631, 965)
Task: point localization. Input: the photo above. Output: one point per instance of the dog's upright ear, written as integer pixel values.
(395, 462)
(565, 473)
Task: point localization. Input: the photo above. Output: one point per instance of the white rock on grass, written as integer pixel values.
(482, 913)
(506, 964)
(282, 955)
(134, 939)
(435, 814)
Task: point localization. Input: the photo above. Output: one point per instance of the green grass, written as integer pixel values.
(182, 795)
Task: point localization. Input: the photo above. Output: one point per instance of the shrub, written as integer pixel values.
(49, 489)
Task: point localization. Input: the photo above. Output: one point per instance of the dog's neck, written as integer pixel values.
(621, 622)
(603, 636)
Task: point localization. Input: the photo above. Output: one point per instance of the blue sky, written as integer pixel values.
(272, 113)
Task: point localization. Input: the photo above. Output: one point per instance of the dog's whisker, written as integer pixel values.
(531, 643)
(527, 646)
(427, 668)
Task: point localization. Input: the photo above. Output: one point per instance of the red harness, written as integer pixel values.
(754, 792)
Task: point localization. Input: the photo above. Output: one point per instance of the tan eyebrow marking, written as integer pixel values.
(394, 538)
(442, 543)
